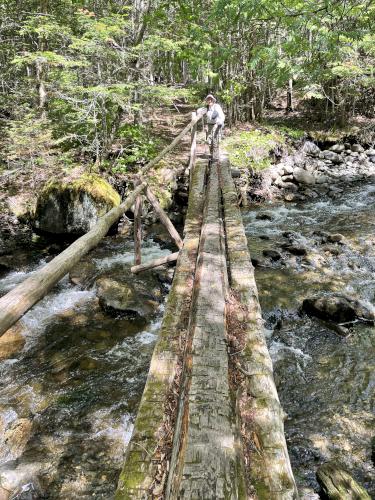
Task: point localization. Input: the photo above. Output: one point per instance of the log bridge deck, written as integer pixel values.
(210, 425)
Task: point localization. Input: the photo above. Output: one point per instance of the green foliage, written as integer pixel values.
(253, 148)
(137, 147)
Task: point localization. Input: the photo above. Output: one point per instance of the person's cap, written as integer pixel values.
(210, 96)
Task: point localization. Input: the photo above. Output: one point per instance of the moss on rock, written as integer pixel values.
(74, 206)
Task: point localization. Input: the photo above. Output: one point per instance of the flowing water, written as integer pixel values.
(325, 381)
(78, 381)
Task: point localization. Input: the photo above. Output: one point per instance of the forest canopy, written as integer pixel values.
(73, 72)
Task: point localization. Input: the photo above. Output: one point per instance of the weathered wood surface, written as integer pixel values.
(163, 217)
(137, 479)
(337, 484)
(155, 263)
(18, 301)
(209, 462)
(271, 473)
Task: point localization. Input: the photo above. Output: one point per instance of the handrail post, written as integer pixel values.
(193, 147)
(137, 229)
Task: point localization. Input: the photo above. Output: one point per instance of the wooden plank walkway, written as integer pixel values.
(189, 440)
(208, 465)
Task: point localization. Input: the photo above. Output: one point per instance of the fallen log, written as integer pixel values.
(18, 301)
(155, 263)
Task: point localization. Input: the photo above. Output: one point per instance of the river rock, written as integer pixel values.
(335, 238)
(294, 249)
(338, 308)
(337, 148)
(311, 149)
(74, 206)
(337, 484)
(357, 148)
(272, 254)
(288, 169)
(264, 216)
(303, 177)
(12, 341)
(14, 438)
(131, 299)
(331, 156)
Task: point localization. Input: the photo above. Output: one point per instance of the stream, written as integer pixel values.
(73, 390)
(325, 382)
(78, 380)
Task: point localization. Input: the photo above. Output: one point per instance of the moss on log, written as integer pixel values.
(270, 471)
(337, 484)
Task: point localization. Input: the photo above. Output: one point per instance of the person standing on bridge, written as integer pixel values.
(214, 122)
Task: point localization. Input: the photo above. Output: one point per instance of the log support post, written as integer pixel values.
(164, 217)
(193, 147)
(137, 230)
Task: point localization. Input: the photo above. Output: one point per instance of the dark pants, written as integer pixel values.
(213, 139)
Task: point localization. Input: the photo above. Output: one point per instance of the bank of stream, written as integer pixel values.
(73, 390)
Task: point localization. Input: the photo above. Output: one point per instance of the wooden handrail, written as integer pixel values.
(18, 301)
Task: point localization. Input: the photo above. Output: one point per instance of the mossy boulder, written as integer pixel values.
(74, 206)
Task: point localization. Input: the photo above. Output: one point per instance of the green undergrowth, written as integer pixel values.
(253, 148)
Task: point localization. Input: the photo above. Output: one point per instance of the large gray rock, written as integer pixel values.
(311, 149)
(338, 308)
(331, 156)
(128, 299)
(303, 177)
(74, 206)
(337, 148)
(357, 148)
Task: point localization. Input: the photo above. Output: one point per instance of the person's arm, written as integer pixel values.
(221, 117)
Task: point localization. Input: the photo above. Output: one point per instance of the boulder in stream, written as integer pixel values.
(74, 206)
(337, 484)
(128, 299)
(12, 342)
(303, 177)
(338, 308)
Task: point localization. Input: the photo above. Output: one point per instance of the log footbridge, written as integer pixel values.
(210, 424)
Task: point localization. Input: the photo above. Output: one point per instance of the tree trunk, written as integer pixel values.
(289, 96)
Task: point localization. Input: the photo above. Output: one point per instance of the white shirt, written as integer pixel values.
(215, 114)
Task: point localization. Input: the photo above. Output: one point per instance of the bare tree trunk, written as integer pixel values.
(289, 96)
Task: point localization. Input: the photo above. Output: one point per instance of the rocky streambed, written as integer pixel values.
(321, 250)
(70, 387)
(311, 172)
